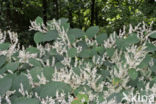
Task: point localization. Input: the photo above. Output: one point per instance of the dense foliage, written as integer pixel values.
(110, 15)
(72, 66)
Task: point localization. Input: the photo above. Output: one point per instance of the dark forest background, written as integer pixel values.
(110, 15)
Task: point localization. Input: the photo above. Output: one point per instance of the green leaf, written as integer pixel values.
(110, 51)
(48, 72)
(59, 65)
(132, 39)
(100, 50)
(133, 74)
(93, 52)
(32, 50)
(24, 100)
(76, 70)
(50, 35)
(38, 37)
(50, 89)
(44, 37)
(35, 62)
(141, 85)
(101, 37)
(64, 23)
(5, 85)
(92, 31)
(74, 34)
(145, 62)
(34, 72)
(53, 52)
(72, 52)
(2, 60)
(82, 44)
(153, 35)
(86, 53)
(150, 47)
(12, 66)
(81, 88)
(39, 21)
(4, 46)
(18, 79)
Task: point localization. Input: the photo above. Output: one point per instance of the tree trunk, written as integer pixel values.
(96, 15)
(70, 16)
(92, 12)
(56, 8)
(44, 2)
(8, 13)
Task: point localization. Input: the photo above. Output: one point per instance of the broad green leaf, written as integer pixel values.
(59, 65)
(4, 46)
(100, 50)
(92, 31)
(153, 81)
(121, 43)
(35, 62)
(3, 69)
(86, 53)
(82, 44)
(50, 89)
(72, 52)
(101, 37)
(132, 39)
(110, 51)
(5, 85)
(133, 74)
(145, 62)
(93, 52)
(38, 37)
(32, 50)
(150, 47)
(39, 21)
(24, 100)
(44, 37)
(53, 52)
(82, 88)
(76, 70)
(20, 79)
(12, 66)
(48, 72)
(141, 85)
(74, 34)
(153, 35)
(2, 60)
(50, 35)
(64, 23)
(34, 72)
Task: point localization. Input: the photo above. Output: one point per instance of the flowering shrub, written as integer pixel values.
(70, 66)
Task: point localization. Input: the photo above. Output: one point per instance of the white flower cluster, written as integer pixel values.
(14, 47)
(2, 37)
(25, 56)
